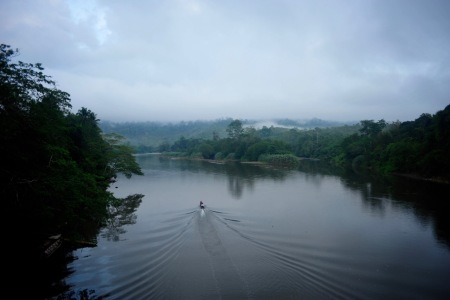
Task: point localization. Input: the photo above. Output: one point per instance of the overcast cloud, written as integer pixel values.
(142, 60)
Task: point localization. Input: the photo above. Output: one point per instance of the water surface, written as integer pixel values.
(269, 234)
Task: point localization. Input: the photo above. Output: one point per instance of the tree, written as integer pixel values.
(215, 136)
(206, 150)
(120, 157)
(235, 130)
(56, 166)
(265, 132)
(371, 128)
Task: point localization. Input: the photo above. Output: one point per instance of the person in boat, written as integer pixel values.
(202, 205)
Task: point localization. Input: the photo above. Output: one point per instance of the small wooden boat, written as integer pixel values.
(51, 244)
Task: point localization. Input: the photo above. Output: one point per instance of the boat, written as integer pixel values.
(202, 205)
(51, 244)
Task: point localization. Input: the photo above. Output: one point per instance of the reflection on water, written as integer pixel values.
(311, 233)
(120, 213)
(424, 200)
(239, 176)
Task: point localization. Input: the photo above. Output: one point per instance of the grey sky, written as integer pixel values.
(143, 60)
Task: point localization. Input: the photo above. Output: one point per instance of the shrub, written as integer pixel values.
(279, 159)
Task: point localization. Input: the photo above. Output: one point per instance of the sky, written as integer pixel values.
(187, 60)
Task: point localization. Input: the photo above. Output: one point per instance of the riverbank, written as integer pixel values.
(262, 163)
(421, 178)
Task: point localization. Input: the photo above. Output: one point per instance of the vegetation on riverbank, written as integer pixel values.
(416, 148)
(56, 166)
(419, 148)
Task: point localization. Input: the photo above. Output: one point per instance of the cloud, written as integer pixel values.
(185, 60)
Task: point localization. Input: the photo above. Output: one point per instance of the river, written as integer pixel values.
(265, 233)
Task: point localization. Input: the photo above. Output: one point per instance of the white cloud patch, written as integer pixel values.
(89, 12)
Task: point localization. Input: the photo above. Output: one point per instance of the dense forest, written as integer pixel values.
(148, 136)
(416, 148)
(56, 166)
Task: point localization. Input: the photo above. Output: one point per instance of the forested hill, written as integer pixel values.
(148, 136)
(418, 148)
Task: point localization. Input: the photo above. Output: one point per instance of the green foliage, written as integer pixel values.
(247, 144)
(419, 147)
(231, 156)
(265, 132)
(56, 166)
(149, 136)
(235, 130)
(196, 155)
(286, 160)
(206, 150)
(401, 156)
(219, 156)
(120, 156)
(266, 147)
(164, 147)
(372, 129)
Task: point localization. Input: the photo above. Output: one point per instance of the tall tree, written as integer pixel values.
(235, 130)
(56, 166)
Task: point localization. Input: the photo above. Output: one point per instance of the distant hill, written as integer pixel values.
(153, 134)
(150, 135)
(299, 124)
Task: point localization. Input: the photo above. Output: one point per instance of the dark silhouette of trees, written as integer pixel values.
(56, 166)
(418, 148)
